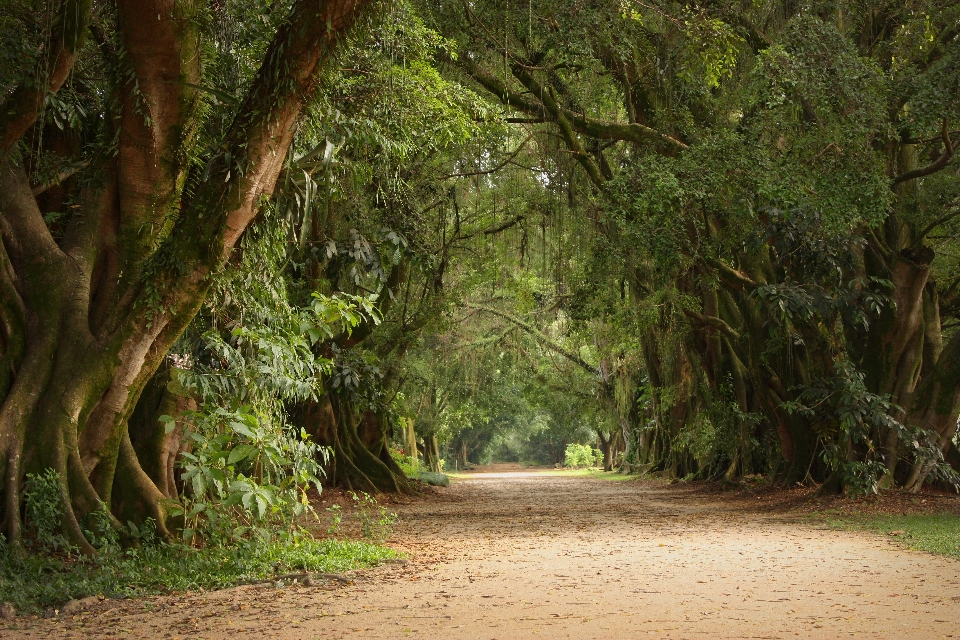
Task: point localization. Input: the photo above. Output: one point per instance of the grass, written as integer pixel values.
(31, 582)
(934, 533)
(561, 473)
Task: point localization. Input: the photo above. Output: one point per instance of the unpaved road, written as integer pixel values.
(502, 556)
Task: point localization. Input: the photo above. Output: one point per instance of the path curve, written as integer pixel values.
(526, 555)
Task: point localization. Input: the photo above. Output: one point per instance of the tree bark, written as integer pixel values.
(96, 310)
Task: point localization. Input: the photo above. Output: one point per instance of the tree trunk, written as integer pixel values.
(157, 448)
(88, 317)
(606, 447)
(358, 463)
(410, 440)
(431, 453)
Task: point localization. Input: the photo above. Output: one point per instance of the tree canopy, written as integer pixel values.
(253, 247)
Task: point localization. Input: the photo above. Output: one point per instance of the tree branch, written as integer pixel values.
(496, 168)
(489, 231)
(735, 277)
(936, 165)
(24, 225)
(601, 129)
(257, 143)
(23, 107)
(538, 335)
(160, 41)
(713, 321)
(933, 225)
(59, 178)
(566, 130)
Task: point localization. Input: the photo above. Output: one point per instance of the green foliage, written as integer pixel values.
(336, 519)
(719, 432)
(43, 505)
(577, 456)
(410, 465)
(340, 314)
(712, 50)
(245, 476)
(376, 523)
(41, 580)
(846, 415)
(247, 471)
(934, 533)
(53, 572)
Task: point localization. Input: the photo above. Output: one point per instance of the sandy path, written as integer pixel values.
(524, 556)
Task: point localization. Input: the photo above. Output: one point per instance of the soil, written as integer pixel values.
(519, 554)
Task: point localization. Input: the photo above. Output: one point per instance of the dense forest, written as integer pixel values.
(251, 247)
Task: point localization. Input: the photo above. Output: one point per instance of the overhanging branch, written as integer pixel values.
(538, 335)
(936, 165)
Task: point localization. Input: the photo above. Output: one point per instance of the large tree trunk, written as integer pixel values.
(361, 459)
(88, 317)
(936, 405)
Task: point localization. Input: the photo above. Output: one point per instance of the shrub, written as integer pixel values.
(579, 456)
(53, 572)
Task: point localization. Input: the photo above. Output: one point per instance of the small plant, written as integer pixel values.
(336, 517)
(376, 523)
(44, 510)
(247, 474)
(99, 529)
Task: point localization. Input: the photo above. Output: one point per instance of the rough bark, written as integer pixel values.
(358, 463)
(90, 316)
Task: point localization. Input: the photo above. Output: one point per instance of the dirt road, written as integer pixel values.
(502, 556)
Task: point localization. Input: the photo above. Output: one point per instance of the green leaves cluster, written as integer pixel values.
(579, 456)
(245, 476)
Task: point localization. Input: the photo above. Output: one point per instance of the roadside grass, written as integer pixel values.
(600, 474)
(937, 533)
(611, 476)
(34, 581)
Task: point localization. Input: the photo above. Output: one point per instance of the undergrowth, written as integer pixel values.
(33, 581)
(131, 562)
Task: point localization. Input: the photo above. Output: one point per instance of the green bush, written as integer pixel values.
(582, 455)
(31, 581)
(410, 465)
(376, 523)
(43, 513)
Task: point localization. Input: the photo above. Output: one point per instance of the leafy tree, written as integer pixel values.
(139, 141)
(771, 185)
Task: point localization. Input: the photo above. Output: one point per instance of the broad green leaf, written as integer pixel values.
(242, 429)
(241, 452)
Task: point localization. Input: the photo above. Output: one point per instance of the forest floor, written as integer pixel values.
(519, 554)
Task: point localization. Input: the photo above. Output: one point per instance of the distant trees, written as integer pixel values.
(774, 199)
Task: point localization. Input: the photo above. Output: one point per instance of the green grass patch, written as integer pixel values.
(936, 533)
(612, 476)
(599, 474)
(32, 581)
